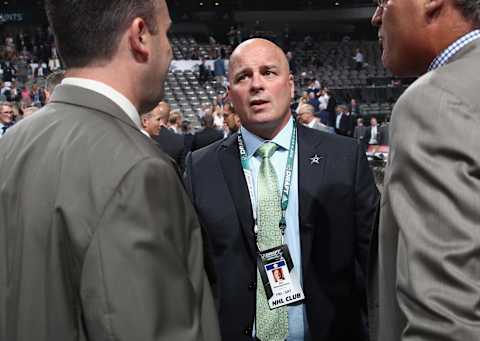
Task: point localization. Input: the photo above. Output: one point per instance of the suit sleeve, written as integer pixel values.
(366, 200)
(434, 193)
(143, 277)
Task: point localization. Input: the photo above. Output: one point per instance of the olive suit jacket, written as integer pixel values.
(424, 272)
(98, 239)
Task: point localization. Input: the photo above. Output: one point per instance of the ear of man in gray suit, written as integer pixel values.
(424, 262)
(98, 239)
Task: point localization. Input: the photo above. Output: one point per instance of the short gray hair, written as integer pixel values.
(470, 10)
(307, 108)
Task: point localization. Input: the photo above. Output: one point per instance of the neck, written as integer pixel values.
(111, 76)
(445, 32)
(270, 130)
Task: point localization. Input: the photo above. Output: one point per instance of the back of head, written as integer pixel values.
(175, 117)
(88, 32)
(207, 121)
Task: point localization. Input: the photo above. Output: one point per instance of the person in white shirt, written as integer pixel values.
(373, 134)
(323, 99)
(359, 59)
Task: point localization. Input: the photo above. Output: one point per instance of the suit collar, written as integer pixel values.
(454, 48)
(229, 158)
(310, 179)
(79, 96)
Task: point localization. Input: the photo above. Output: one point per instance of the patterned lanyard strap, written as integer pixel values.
(286, 181)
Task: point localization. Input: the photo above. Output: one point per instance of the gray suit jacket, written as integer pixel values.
(424, 280)
(98, 240)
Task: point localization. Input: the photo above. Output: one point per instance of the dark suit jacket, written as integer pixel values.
(173, 144)
(98, 239)
(346, 125)
(205, 137)
(368, 135)
(332, 104)
(336, 203)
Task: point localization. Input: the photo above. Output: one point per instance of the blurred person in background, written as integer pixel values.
(218, 117)
(343, 121)
(306, 116)
(373, 134)
(207, 135)
(175, 121)
(359, 131)
(155, 124)
(6, 117)
(231, 119)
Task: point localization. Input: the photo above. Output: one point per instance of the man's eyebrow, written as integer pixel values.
(241, 71)
(270, 66)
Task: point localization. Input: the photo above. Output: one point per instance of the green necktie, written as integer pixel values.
(271, 325)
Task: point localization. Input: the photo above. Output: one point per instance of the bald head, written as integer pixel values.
(163, 111)
(261, 86)
(256, 44)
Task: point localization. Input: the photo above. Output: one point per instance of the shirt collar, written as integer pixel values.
(107, 91)
(311, 124)
(253, 142)
(451, 50)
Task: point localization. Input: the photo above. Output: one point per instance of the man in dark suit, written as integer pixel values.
(207, 135)
(331, 201)
(373, 133)
(155, 124)
(343, 121)
(98, 239)
(6, 117)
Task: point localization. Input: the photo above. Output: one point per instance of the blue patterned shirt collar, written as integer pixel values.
(253, 142)
(450, 51)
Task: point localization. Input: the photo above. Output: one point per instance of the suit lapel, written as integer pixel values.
(235, 179)
(311, 166)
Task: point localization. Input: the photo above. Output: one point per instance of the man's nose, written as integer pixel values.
(257, 82)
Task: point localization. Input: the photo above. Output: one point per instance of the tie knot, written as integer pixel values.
(266, 150)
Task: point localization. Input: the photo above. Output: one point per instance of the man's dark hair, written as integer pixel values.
(89, 31)
(470, 10)
(207, 121)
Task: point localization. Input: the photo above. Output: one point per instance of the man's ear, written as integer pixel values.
(433, 7)
(228, 93)
(139, 38)
(143, 121)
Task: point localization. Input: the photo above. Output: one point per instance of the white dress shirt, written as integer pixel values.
(373, 136)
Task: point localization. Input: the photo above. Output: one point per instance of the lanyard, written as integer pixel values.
(286, 181)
